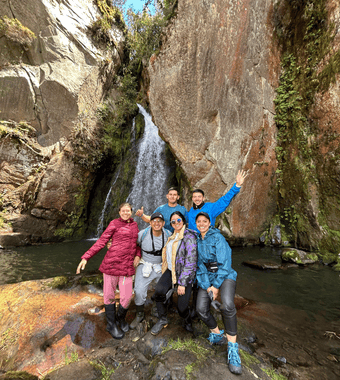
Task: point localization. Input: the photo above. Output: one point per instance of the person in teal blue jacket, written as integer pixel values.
(216, 276)
(213, 209)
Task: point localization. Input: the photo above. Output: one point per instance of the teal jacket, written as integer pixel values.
(213, 248)
(214, 209)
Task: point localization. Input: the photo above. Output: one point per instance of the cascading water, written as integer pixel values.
(149, 184)
(100, 227)
(151, 175)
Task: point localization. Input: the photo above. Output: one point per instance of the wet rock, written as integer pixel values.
(14, 239)
(299, 257)
(261, 264)
(150, 345)
(81, 370)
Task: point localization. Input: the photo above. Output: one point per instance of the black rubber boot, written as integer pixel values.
(112, 328)
(188, 323)
(139, 316)
(121, 314)
(157, 328)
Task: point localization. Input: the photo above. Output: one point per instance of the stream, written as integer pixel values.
(314, 289)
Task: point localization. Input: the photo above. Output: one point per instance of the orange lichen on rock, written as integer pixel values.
(38, 323)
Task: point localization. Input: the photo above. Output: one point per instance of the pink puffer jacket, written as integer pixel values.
(118, 260)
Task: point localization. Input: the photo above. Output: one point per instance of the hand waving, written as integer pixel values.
(241, 175)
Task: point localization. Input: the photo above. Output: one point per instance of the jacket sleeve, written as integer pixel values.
(220, 205)
(223, 256)
(187, 276)
(101, 242)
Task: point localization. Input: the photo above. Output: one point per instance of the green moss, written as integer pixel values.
(96, 280)
(248, 359)
(59, 282)
(19, 375)
(291, 255)
(273, 374)
(110, 16)
(309, 66)
(12, 29)
(336, 267)
(189, 345)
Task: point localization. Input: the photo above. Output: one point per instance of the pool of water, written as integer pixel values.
(314, 289)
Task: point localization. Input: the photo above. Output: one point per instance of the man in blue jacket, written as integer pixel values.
(213, 209)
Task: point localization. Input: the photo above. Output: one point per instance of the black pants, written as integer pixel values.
(164, 284)
(227, 292)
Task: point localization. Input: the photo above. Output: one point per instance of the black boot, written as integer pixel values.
(121, 314)
(112, 328)
(188, 323)
(139, 316)
(157, 328)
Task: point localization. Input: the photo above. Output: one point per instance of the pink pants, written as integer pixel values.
(125, 285)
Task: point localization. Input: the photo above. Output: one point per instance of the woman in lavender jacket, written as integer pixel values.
(179, 261)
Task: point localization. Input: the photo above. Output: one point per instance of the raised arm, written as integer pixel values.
(221, 204)
(140, 213)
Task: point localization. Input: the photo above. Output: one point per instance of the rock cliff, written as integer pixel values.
(214, 96)
(211, 94)
(54, 72)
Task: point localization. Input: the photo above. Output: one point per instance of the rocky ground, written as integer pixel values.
(47, 331)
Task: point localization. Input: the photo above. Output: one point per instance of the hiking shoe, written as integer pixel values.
(234, 360)
(218, 339)
(161, 324)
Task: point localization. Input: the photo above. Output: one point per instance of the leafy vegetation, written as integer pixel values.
(306, 40)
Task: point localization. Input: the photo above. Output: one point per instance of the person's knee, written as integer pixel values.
(202, 311)
(229, 306)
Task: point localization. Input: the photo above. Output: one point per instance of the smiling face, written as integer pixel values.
(157, 224)
(125, 212)
(172, 197)
(197, 198)
(202, 224)
(176, 222)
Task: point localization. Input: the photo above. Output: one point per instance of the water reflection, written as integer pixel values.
(38, 262)
(314, 289)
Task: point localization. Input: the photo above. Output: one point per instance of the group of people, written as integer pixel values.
(183, 252)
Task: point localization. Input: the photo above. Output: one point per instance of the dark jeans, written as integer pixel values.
(164, 284)
(227, 292)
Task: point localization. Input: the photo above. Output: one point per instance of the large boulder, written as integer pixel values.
(59, 77)
(55, 70)
(211, 93)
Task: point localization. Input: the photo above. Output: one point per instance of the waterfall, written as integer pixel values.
(100, 227)
(149, 186)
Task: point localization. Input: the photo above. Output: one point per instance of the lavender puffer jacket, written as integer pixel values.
(185, 260)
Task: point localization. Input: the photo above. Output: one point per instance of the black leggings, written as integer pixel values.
(163, 285)
(227, 292)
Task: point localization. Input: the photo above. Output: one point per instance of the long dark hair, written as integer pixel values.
(179, 214)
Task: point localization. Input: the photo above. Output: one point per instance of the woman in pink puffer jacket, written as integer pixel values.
(118, 267)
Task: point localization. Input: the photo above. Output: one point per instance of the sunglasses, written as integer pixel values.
(176, 221)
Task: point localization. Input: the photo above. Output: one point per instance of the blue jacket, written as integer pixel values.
(214, 209)
(211, 249)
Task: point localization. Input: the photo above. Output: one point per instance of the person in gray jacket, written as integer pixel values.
(151, 240)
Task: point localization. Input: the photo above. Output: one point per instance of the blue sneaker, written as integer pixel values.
(217, 338)
(234, 360)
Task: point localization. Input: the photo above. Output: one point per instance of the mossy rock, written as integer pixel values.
(299, 257)
(337, 267)
(20, 375)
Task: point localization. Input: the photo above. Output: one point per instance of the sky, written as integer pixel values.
(137, 5)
